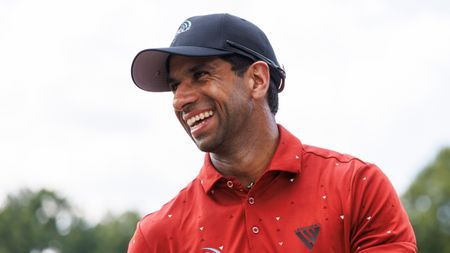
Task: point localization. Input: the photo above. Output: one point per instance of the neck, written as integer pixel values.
(249, 160)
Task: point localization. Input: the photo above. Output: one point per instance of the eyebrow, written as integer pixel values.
(196, 67)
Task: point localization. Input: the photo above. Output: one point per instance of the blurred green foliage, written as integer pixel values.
(427, 202)
(43, 222)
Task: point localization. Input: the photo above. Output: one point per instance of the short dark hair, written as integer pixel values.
(240, 64)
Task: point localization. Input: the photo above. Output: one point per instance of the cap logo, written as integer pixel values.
(184, 27)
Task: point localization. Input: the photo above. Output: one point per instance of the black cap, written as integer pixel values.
(209, 35)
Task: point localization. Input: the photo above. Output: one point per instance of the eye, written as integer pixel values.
(199, 74)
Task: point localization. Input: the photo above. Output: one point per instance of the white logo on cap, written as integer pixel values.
(184, 27)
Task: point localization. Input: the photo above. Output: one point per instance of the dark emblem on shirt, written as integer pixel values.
(308, 235)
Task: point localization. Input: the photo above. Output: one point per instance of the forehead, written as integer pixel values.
(184, 64)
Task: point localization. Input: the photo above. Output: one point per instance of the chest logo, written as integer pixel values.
(308, 235)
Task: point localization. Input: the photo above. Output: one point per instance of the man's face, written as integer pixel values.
(211, 102)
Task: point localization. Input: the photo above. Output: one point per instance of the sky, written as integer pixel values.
(366, 78)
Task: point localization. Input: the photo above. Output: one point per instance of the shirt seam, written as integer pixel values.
(337, 158)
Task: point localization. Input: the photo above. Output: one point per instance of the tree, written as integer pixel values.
(35, 222)
(428, 204)
(114, 232)
(31, 221)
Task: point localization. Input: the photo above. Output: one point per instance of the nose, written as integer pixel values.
(184, 95)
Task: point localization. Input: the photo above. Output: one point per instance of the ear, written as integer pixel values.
(259, 79)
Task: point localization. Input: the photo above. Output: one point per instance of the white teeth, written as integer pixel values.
(198, 117)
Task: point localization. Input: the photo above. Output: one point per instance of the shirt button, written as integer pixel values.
(251, 200)
(255, 229)
(230, 184)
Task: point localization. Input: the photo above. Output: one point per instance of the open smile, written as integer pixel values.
(196, 119)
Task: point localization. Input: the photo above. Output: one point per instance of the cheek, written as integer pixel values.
(216, 90)
(239, 95)
(230, 90)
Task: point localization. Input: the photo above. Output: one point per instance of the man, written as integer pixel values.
(260, 189)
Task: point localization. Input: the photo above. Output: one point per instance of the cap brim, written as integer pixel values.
(149, 70)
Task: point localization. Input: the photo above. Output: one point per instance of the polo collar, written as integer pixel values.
(287, 158)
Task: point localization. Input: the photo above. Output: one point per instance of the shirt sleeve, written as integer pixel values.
(379, 222)
(138, 244)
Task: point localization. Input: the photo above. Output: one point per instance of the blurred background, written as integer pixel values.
(84, 153)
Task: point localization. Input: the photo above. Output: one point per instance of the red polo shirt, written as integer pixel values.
(308, 200)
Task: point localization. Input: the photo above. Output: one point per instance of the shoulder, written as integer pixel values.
(341, 172)
(333, 163)
(327, 155)
(162, 225)
(169, 212)
(367, 199)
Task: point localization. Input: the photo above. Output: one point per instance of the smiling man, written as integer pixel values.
(260, 189)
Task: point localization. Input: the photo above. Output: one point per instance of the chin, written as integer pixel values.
(207, 145)
(204, 147)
